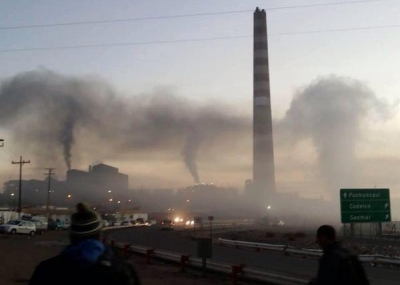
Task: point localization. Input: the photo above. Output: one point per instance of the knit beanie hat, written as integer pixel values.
(85, 222)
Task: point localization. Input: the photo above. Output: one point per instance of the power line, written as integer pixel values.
(324, 4)
(184, 15)
(124, 20)
(124, 44)
(193, 40)
(336, 30)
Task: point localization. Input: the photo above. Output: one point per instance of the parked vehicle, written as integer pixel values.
(140, 222)
(18, 227)
(58, 225)
(167, 225)
(40, 227)
(106, 223)
(151, 223)
(116, 223)
(126, 223)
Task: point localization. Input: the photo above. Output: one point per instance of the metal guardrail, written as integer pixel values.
(374, 259)
(235, 271)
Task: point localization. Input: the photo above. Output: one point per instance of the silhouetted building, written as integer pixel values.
(100, 184)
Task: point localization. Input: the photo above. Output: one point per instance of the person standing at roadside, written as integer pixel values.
(86, 260)
(337, 265)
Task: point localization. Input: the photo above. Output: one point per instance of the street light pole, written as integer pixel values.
(13, 197)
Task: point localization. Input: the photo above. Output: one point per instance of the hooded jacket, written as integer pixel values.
(87, 262)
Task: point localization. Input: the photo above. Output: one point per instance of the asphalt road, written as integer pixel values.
(304, 268)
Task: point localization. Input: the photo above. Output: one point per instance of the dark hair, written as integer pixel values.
(326, 231)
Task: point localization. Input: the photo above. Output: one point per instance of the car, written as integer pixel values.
(58, 225)
(40, 227)
(116, 223)
(106, 223)
(151, 223)
(167, 225)
(139, 222)
(18, 227)
(126, 223)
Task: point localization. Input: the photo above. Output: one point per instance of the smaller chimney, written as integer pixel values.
(90, 168)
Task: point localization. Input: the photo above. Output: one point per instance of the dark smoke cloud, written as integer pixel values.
(52, 115)
(331, 111)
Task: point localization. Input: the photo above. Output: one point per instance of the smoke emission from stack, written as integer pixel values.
(190, 151)
(52, 116)
(43, 108)
(67, 140)
(331, 111)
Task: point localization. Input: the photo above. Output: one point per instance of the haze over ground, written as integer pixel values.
(197, 82)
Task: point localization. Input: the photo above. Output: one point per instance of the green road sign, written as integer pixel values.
(365, 205)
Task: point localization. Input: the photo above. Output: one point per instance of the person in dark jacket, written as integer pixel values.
(337, 265)
(86, 260)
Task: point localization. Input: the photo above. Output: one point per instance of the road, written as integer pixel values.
(304, 268)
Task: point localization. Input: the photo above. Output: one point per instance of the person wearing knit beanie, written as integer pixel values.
(85, 224)
(86, 260)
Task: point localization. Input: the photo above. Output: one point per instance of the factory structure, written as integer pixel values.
(103, 180)
(98, 185)
(262, 188)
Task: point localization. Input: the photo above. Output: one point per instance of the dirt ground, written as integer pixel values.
(20, 254)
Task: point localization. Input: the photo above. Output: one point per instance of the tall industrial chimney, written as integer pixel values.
(263, 148)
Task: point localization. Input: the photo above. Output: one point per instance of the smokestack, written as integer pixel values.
(263, 148)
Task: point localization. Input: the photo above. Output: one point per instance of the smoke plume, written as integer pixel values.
(52, 116)
(331, 111)
(192, 146)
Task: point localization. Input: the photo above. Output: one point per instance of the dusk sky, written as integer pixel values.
(217, 71)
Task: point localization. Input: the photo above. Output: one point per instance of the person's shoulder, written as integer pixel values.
(51, 263)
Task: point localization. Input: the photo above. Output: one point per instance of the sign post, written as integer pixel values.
(365, 205)
(204, 250)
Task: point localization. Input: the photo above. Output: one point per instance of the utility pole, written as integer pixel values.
(1, 142)
(49, 174)
(21, 163)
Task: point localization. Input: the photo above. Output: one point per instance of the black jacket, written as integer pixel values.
(331, 269)
(62, 270)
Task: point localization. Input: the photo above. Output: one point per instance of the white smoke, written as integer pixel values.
(331, 111)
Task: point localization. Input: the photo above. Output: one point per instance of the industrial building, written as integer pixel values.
(96, 186)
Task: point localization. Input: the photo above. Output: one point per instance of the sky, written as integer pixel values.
(214, 71)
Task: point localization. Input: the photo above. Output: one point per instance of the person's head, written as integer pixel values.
(325, 235)
(85, 224)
